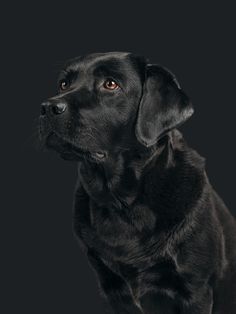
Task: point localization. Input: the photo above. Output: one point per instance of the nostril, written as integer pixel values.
(52, 107)
(43, 108)
(59, 108)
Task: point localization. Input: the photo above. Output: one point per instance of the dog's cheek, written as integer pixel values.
(118, 110)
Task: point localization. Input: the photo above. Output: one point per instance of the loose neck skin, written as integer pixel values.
(157, 189)
(117, 181)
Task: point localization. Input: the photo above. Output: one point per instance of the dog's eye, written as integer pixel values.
(64, 84)
(110, 84)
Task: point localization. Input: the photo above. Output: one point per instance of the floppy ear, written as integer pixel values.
(163, 106)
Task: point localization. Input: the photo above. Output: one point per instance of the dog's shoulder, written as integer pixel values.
(184, 152)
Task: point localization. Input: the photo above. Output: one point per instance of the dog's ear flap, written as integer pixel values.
(163, 105)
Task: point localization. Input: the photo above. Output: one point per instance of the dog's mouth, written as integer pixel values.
(70, 151)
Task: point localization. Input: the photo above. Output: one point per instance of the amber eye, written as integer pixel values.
(64, 85)
(110, 84)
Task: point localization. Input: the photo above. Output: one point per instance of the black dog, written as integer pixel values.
(159, 237)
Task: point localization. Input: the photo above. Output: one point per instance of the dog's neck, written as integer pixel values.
(117, 182)
(168, 178)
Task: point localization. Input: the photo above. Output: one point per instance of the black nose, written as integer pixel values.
(55, 108)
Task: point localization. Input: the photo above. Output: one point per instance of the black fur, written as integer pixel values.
(158, 236)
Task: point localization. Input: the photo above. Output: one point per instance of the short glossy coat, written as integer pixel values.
(158, 236)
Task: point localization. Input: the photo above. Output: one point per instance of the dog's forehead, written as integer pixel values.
(94, 61)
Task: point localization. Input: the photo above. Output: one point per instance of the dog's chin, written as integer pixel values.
(69, 151)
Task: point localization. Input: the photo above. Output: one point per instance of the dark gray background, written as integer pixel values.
(45, 271)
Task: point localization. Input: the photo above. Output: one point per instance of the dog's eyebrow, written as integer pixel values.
(109, 68)
(69, 73)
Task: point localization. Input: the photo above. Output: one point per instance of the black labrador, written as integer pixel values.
(157, 234)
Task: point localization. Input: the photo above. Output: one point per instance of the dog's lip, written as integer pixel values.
(100, 154)
(80, 151)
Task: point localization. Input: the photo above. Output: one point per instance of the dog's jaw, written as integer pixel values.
(70, 151)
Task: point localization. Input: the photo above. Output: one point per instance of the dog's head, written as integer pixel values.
(107, 102)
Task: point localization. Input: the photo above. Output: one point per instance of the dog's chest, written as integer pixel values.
(110, 226)
(121, 244)
(160, 276)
